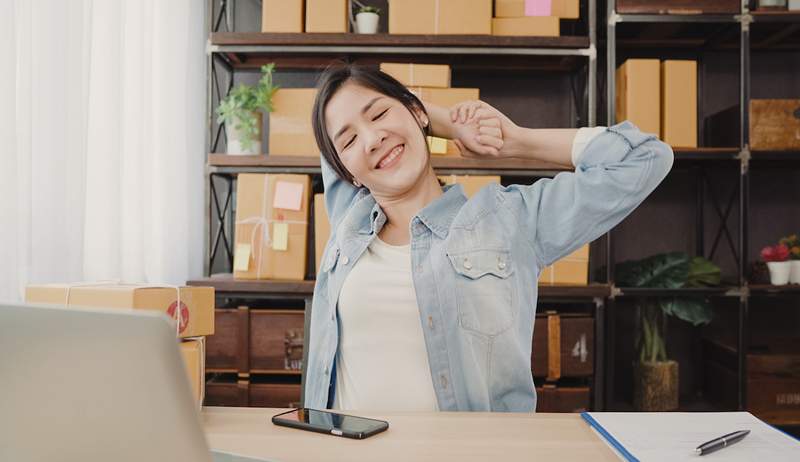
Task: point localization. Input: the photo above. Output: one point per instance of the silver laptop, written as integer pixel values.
(95, 385)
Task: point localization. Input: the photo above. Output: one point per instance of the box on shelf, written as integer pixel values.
(563, 345)
(282, 16)
(446, 17)
(471, 183)
(271, 226)
(774, 125)
(679, 6)
(536, 26)
(567, 9)
(638, 97)
(446, 97)
(194, 359)
(773, 377)
(322, 228)
(572, 270)
(554, 398)
(290, 131)
(196, 303)
(228, 350)
(421, 75)
(443, 147)
(327, 16)
(679, 103)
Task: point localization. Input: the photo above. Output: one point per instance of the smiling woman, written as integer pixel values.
(426, 300)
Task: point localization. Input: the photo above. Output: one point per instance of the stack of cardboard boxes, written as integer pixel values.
(304, 16)
(195, 312)
(659, 98)
(532, 17)
(440, 17)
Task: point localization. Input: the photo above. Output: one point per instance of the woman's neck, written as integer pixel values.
(401, 209)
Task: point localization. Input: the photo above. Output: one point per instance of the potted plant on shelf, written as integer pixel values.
(367, 18)
(777, 259)
(792, 242)
(239, 111)
(655, 376)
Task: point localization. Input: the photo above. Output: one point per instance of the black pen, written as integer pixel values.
(721, 442)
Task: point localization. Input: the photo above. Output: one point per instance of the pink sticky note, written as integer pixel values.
(538, 7)
(288, 196)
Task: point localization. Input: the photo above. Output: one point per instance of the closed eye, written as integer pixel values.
(380, 115)
(349, 142)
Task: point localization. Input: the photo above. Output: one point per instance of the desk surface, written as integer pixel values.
(412, 436)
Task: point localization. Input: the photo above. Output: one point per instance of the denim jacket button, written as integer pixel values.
(345, 260)
(501, 264)
(467, 263)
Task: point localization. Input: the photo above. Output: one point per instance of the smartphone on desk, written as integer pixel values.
(332, 423)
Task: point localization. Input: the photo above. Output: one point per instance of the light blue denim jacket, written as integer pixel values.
(476, 264)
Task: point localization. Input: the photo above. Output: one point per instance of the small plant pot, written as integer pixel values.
(235, 139)
(367, 23)
(779, 272)
(794, 272)
(655, 386)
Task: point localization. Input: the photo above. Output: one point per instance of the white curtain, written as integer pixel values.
(101, 141)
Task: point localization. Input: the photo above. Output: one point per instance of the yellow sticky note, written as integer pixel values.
(437, 145)
(241, 257)
(280, 236)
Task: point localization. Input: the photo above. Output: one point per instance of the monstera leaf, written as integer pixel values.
(667, 270)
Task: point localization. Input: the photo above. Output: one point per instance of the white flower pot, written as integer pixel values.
(794, 273)
(367, 23)
(234, 146)
(779, 272)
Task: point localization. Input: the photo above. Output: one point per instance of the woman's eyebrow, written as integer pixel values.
(363, 111)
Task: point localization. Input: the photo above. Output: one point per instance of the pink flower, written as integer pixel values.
(777, 253)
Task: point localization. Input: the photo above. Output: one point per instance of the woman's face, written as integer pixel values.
(378, 140)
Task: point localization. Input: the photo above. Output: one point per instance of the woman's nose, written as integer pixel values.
(374, 141)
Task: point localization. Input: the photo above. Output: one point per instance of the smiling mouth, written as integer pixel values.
(392, 157)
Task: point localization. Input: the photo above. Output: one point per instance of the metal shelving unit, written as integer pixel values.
(743, 155)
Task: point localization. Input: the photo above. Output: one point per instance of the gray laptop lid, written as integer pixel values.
(94, 385)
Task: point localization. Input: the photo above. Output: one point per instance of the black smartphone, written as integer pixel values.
(314, 420)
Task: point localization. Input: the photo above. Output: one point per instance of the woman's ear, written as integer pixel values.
(422, 117)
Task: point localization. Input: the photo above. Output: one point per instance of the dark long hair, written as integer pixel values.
(331, 81)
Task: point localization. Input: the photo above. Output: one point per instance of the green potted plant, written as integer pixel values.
(655, 376)
(239, 111)
(367, 18)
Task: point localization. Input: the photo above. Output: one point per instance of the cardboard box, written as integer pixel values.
(193, 352)
(471, 184)
(326, 16)
(322, 227)
(442, 147)
(459, 17)
(572, 270)
(567, 9)
(446, 97)
(282, 16)
(536, 26)
(638, 98)
(197, 303)
(271, 226)
(290, 132)
(679, 103)
(422, 75)
(775, 124)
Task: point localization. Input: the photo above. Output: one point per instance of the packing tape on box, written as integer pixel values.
(116, 282)
(264, 222)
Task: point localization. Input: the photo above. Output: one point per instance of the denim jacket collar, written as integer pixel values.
(437, 216)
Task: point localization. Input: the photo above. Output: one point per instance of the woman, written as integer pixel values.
(426, 300)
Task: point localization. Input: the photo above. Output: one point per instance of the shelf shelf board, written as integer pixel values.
(223, 163)
(286, 372)
(678, 18)
(224, 284)
(775, 155)
(724, 291)
(776, 16)
(769, 289)
(704, 154)
(249, 50)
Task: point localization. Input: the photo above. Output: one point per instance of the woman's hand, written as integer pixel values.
(481, 130)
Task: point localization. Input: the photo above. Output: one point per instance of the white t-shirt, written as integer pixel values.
(382, 361)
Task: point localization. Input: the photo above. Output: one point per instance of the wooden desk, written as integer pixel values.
(418, 437)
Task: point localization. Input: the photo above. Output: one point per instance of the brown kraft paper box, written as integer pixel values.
(290, 131)
(197, 303)
(639, 94)
(441, 17)
(280, 252)
(570, 270)
(679, 103)
(326, 16)
(282, 16)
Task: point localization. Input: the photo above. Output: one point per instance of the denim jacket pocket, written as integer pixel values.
(485, 293)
